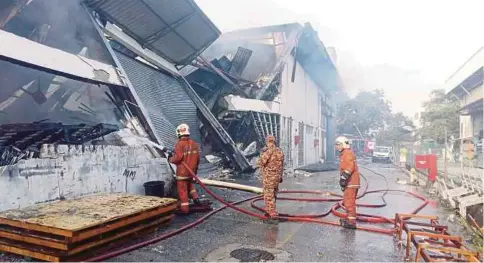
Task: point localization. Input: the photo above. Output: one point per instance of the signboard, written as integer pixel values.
(371, 145)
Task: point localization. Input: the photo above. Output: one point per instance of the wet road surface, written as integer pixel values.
(227, 230)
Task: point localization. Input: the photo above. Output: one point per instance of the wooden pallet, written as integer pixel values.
(60, 230)
(432, 241)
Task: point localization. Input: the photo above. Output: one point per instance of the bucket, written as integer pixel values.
(155, 188)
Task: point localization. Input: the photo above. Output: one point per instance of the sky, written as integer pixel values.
(405, 47)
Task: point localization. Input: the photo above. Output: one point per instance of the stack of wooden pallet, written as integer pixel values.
(431, 240)
(60, 231)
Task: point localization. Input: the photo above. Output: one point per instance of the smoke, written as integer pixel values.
(62, 24)
(406, 89)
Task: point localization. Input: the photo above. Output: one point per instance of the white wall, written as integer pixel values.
(466, 127)
(73, 171)
(300, 100)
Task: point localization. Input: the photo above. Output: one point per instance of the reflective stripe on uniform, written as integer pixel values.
(353, 186)
(190, 152)
(184, 204)
(351, 217)
(181, 178)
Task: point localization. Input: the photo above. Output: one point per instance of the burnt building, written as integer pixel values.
(83, 82)
(279, 80)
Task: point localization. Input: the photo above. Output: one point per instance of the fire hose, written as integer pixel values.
(310, 218)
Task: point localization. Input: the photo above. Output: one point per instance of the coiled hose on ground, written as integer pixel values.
(311, 218)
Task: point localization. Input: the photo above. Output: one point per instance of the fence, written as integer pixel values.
(459, 179)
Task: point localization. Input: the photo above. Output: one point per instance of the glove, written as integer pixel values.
(167, 152)
(343, 179)
(280, 179)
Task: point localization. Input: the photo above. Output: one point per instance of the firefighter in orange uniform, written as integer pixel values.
(187, 151)
(271, 162)
(349, 181)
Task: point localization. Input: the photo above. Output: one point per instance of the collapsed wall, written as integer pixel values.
(70, 171)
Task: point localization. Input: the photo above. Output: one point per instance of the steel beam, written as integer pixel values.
(27, 53)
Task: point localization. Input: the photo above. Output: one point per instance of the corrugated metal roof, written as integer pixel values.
(164, 98)
(177, 30)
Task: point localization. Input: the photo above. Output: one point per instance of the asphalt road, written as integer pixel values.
(214, 239)
(228, 230)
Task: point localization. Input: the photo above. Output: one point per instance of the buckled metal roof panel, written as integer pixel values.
(177, 30)
(164, 98)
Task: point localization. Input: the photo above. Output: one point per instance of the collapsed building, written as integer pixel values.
(75, 95)
(277, 80)
(84, 80)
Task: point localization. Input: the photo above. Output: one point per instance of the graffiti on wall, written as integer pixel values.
(130, 172)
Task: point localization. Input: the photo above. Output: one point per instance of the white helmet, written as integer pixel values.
(182, 130)
(344, 141)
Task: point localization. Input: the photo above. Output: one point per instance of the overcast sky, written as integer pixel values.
(405, 47)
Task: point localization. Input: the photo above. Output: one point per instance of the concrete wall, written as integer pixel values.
(71, 171)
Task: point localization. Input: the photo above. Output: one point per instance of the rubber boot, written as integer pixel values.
(202, 201)
(271, 219)
(346, 224)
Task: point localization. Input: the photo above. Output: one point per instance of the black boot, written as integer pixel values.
(202, 201)
(346, 224)
(272, 221)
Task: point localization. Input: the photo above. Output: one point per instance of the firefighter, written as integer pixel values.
(271, 162)
(349, 181)
(187, 151)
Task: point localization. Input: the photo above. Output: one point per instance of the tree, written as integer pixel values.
(367, 110)
(398, 127)
(440, 114)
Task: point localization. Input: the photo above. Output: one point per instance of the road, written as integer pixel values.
(228, 230)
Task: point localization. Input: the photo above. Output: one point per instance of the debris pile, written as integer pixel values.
(240, 85)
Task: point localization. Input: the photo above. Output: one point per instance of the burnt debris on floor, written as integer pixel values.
(24, 140)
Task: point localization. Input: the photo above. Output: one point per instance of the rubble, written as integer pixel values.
(251, 149)
(221, 175)
(213, 159)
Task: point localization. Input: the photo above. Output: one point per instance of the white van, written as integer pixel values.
(382, 153)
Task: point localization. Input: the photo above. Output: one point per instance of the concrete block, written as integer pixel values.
(62, 149)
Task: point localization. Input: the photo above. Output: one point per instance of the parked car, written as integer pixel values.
(382, 153)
